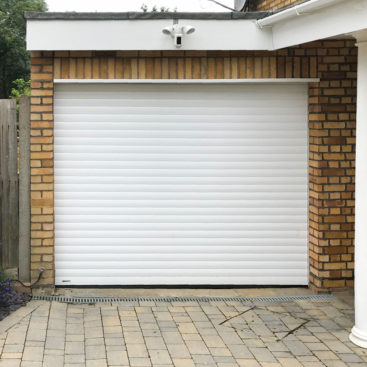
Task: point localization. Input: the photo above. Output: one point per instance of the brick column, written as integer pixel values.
(331, 166)
(42, 187)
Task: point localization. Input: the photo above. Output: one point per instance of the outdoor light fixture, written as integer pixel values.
(177, 32)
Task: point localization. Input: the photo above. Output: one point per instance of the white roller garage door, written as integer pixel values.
(181, 184)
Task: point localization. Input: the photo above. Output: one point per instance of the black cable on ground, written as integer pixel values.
(31, 285)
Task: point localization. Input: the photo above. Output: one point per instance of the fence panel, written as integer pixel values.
(8, 184)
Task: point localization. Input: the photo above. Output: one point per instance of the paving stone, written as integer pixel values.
(254, 343)
(187, 328)
(74, 358)
(350, 358)
(230, 338)
(178, 351)
(316, 346)
(197, 347)
(4, 362)
(240, 351)
(114, 341)
(183, 363)
(248, 363)
(111, 321)
(54, 352)
(172, 337)
(224, 359)
(333, 363)
(262, 354)
(289, 362)
(137, 350)
(160, 357)
(326, 355)
(94, 341)
(192, 337)
(297, 348)
(283, 355)
(55, 343)
(55, 332)
(74, 328)
(155, 343)
(34, 354)
(36, 335)
(117, 358)
(74, 337)
(10, 362)
(95, 352)
(133, 337)
(53, 361)
(96, 363)
(16, 337)
(220, 352)
(30, 343)
(213, 341)
(337, 346)
(203, 359)
(56, 324)
(13, 348)
(74, 347)
(139, 362)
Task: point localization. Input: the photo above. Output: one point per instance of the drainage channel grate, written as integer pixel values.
(63, 299)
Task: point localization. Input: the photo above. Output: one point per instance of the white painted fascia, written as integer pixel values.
(307, 22)
(315, 20)
(103, 35)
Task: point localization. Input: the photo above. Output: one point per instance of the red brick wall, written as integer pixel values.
(332, 104)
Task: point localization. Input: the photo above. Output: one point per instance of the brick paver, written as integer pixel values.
(182, 334)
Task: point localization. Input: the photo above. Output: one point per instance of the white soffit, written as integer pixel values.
(337, 19)
(240, 34)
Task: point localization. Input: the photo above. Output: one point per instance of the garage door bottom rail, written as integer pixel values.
(86, 300)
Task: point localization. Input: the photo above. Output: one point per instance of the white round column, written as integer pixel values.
(359, 332)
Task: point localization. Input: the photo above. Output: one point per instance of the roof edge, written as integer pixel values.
(30, 15)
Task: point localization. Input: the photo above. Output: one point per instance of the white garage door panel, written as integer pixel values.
(181, 184)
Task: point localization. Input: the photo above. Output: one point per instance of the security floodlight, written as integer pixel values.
(167, 30)
(177, 32)
(188, 29)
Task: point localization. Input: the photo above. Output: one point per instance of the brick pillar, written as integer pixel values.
(331, 165)
(42, 178)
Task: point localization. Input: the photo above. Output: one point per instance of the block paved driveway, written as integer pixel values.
(140, 333)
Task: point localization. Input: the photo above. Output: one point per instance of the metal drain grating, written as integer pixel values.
(84, 300)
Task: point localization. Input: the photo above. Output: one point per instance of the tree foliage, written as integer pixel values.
(20, 87)
(14, 58)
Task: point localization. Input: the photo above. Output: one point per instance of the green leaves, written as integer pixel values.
(20, 87)
(14, 58)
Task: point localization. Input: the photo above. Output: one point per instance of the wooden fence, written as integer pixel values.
(15, 187)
